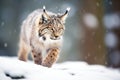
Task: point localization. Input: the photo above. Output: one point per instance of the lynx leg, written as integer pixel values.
(51, 57)
(37, 57)
(23, 51)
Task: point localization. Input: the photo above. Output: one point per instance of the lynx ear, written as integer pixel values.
(38, 21)
(45, 16)
(64, 16)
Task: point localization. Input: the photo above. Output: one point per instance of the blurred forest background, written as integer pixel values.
(92, 28)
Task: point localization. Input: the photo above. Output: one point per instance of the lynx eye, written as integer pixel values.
(52, 30)
(39, 34)
(44, 38)
(46, 30)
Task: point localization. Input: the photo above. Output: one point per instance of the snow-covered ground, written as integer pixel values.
(13, 69)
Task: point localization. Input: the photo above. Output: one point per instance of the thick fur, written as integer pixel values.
(41, 36)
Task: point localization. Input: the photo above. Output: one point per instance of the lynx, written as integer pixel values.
(42, 35)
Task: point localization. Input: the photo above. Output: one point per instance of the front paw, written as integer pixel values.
(54, 50)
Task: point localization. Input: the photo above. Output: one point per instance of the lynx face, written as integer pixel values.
(51, 26)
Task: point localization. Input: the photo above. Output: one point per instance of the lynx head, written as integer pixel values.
(51, 25)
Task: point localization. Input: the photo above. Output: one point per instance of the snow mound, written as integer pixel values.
(14, 69)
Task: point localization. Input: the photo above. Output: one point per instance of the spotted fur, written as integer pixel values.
(42, 35)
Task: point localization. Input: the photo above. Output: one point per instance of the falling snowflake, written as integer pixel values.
(5, 44)
(110, 2)
(2, 23)
(98, 4)
(90, 20)
(99, 46)
(111, 39)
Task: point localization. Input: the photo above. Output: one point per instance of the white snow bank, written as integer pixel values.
(13, 69)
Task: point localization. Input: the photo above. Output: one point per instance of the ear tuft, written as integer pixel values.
(68, 9)
(44, 8)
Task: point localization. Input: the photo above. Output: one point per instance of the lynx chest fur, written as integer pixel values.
(42, 33)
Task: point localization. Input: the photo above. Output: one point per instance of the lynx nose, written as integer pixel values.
(56, 33)
(56, 36)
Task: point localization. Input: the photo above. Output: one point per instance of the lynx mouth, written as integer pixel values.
(55, 38)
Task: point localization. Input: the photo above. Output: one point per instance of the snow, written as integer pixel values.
(2, 23)
(98, 4)
(90, 20)
(111, 39)
(14, 69)
(110, 2)
(111, 21)
(5, 44)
